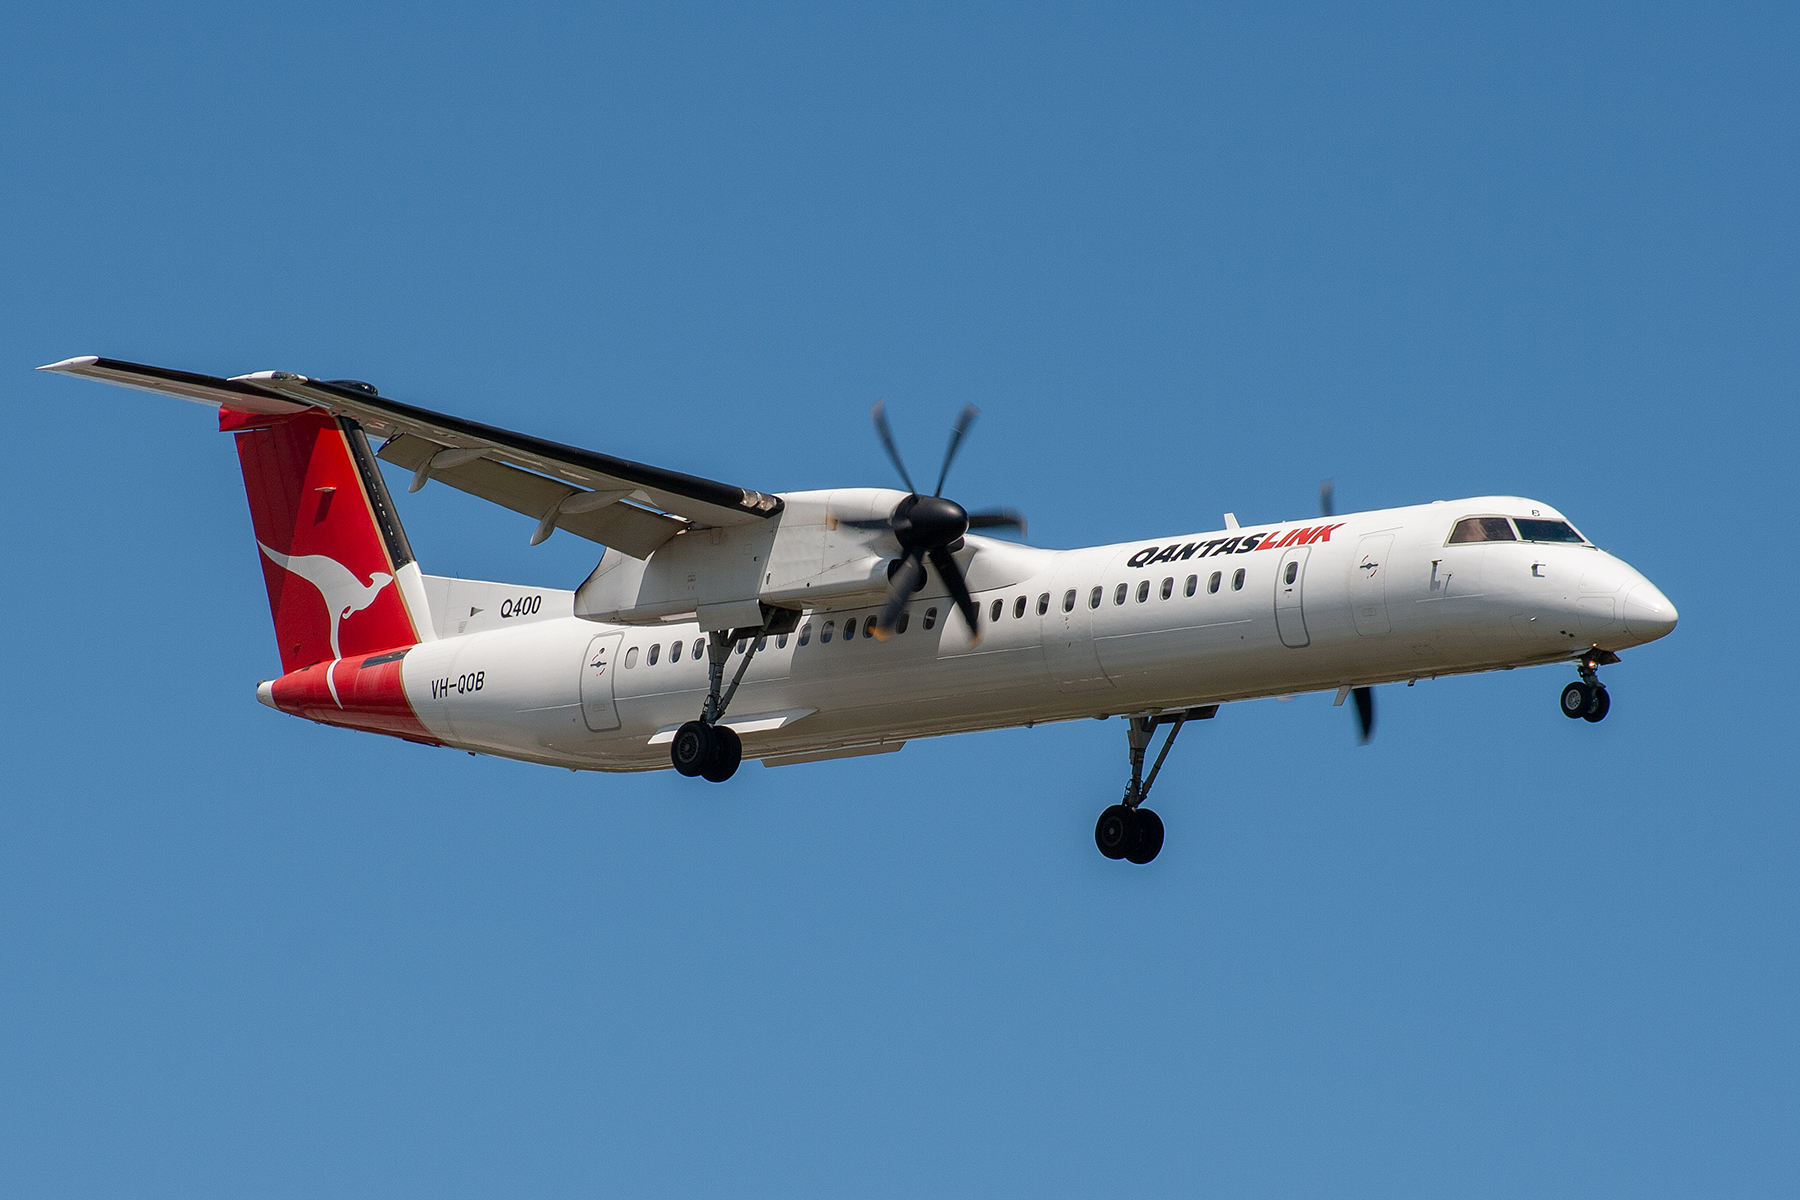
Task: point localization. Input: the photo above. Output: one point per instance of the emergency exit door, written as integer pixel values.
(1290, 591)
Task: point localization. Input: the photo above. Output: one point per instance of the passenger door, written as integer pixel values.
(1290, 583)
(598, 667)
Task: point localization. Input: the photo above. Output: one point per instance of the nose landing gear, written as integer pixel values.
(1128, 830)
(1588, 699)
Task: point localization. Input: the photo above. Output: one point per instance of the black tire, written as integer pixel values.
(1575, 700)
(1149, 840)
(693, 749)
(1598, 707)
(728, 751)
(1113, 831)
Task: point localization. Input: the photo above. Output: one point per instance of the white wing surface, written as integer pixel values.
(629, 506)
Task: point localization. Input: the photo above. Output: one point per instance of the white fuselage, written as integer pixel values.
(1384, 598)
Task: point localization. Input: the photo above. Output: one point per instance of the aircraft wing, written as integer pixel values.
(629, 506)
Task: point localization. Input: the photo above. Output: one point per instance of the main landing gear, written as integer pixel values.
(705, 747)
(1128, 830)
(1588, 699)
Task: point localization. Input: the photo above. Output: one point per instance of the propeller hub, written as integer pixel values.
(922, 522)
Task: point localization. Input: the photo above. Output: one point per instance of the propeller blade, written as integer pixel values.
(964, 419)
(998, 518)
(959, 589)
(876, 523)
(907, 578)
(1327, 498)
(879, 412)
(1365, 714)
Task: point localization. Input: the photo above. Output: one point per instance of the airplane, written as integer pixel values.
(722, 623)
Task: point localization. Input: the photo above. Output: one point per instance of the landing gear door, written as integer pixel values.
(1290, 583)
(598, 668)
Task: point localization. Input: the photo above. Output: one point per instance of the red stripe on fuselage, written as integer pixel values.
(371, 698)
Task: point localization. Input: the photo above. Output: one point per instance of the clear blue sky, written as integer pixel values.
(1187, 261)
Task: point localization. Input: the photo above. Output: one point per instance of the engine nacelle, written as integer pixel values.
(804, 558)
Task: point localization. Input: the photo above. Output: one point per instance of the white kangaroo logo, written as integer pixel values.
(343, 594)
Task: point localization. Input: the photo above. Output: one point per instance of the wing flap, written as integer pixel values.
(702, 500)
(626, 527)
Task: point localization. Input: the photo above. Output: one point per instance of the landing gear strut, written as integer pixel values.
(1588, 699)
(704, 747)
(1128, 830)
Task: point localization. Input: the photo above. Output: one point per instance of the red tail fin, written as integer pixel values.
(334, 557)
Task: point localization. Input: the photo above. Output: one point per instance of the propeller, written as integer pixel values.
(1365, 714)
(930, 527)
(1364, 697)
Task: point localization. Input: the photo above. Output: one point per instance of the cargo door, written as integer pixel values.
(1368, 584)
(598, 666)
(1290, 590)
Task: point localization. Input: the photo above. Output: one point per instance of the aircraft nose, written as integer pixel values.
(1648, 613)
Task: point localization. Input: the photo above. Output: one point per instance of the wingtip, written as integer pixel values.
(70, 364)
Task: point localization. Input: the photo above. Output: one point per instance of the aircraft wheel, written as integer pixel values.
(1598, 707)
(1112, 833)
(728, 751)
(693, 749)
(1576, 699)
(1149, 840)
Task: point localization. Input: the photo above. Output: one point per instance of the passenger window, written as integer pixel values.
(806, 633)
(1168, 588)
(699, 648)
(905, 618)
(1043, 604)
(1069, 600)
(850, 629)
(1212, 585)
(1193, 584)
(1018, 608)
(675, 651)
(1547, 531)
(1094, 598)
(743, 643)
(930, 617)
(1119, 593)
(994, 610)
(1143, 591)
(1293, 570)
(869, 628)
(655, 653)
(762, 643)
(825, 632)
(781, 642)
(631, 658)
(1237, 580)
(1484, 529)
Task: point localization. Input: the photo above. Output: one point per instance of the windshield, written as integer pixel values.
(1547, 531)
(1482, 529)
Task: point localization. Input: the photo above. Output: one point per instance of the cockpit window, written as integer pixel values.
(1547, 531)
(1483, 529)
